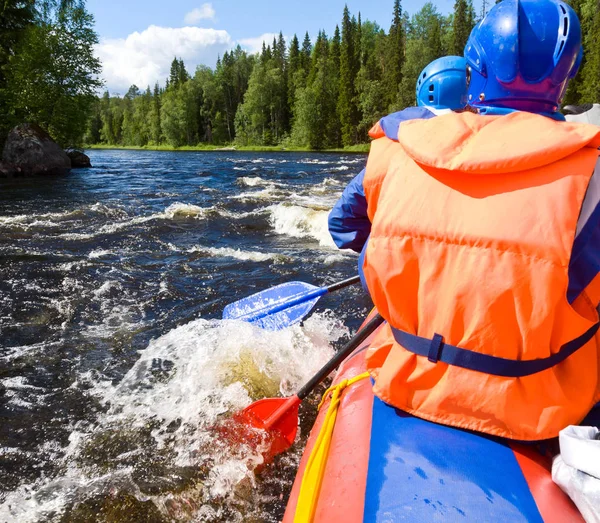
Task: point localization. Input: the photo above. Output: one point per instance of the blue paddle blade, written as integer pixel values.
(278, 307)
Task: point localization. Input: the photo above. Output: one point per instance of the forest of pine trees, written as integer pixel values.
(321, 94)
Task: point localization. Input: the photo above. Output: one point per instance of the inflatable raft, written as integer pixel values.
(384, 465)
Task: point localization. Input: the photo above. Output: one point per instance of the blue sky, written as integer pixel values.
(138, 42)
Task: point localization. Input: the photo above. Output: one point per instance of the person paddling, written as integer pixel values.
(483, 252)
(441, 88)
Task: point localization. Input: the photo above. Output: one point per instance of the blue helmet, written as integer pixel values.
(522, 55)
(443, 84)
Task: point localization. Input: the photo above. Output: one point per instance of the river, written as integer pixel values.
(114, 363)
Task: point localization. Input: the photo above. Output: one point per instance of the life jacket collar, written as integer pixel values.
(479, 144)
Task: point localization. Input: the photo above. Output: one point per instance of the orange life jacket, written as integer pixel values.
(474, 219)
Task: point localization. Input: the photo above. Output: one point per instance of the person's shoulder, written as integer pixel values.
(411, 113)
(391, 122)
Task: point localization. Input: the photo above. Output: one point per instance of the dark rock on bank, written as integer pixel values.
(31, 152)
(79, 159)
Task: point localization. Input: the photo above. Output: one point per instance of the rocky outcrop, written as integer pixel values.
(78, 159)
(29, 151)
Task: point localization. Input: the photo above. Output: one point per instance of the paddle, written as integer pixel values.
(279, 416)
(281, 306)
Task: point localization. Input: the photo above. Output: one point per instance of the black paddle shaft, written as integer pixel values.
(342, 284)
(333, 363)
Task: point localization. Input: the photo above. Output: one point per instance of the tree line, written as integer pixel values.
(321, 93)
(324, 93)
(48, 72)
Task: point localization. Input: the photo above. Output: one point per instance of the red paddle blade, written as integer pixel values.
(268, 425)
(274, 415)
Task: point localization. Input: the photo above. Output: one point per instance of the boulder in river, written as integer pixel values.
(31, 151)
(78, 159)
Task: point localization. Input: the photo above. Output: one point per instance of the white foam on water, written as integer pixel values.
(57, 219)
(39, 218)
(340, 168)
(269, 160)
(181, 385)
(252, 181)
(9, 354)
(120, 311)
(175, 211)
(99, 253)
(312, 161)
(270, 192)
(332, 259)
(238, 254)
(319, 201)
(301, 222)
(107, 287)
(183, 210)
(19, 393)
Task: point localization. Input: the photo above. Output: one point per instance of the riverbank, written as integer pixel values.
(354, 149)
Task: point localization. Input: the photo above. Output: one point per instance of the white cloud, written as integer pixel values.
(254, 45)
(204, 12)
(145, 58)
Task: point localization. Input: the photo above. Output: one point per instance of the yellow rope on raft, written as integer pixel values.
(315, 468)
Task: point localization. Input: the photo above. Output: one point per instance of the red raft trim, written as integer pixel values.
(342, 496)
(554, 505)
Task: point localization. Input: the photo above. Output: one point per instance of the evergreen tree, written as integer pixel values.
(395, 55)
(462, 24)
(173, 80)
(262, 117)
(349, 67)
(320, 51)
(335, 50)
(315, 108)
(370, 84)
(183, 74)
(93, 135)
(358, 42)
(305, 53)
(154, 117)
(293, 68)
(281, 51)
(178, 74)
(335, 132)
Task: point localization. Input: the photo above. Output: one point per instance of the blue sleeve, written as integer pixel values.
(585, 257)
(391, 123)
(349, 223)
(584, 265)
(361, 262)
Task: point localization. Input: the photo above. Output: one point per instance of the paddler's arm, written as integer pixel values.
(584, 266)
(349, 224)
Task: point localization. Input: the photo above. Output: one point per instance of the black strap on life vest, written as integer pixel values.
(436, 350)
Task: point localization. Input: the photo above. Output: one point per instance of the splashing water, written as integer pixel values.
(162, 415)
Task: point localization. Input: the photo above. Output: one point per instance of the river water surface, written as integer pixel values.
(114, 365)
